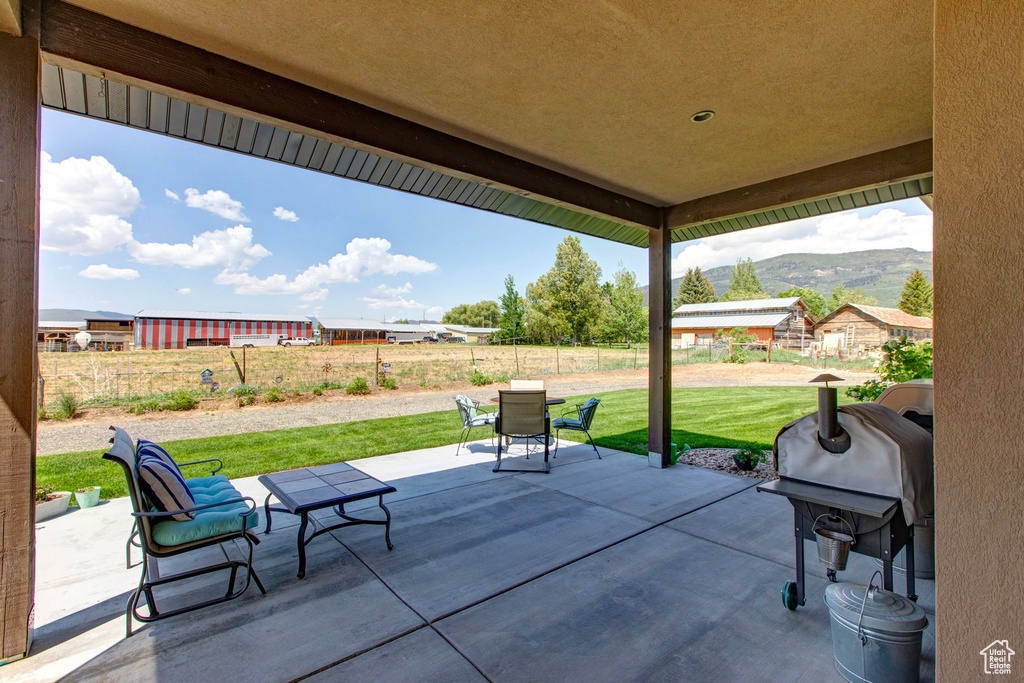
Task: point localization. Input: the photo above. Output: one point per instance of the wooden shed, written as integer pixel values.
(856, 325)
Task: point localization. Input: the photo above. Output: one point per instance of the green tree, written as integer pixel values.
(544, 322)
(744, 284)
(902, 361)
(573, 289)
(916, 298)
(695, 288)
(480, 314)
(403, 321)
(842, 296)
(513, 308)
(626, 315)
(814, 299)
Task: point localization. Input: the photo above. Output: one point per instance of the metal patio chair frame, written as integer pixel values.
(467, 412)
(586, 412)
(133, 538)
(122, 452)
(512, 423)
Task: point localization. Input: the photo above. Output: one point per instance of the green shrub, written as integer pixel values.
(273, 395)
(296, 393)
(67, 406)
(902, 361)
(358, 386)
(389, 383)
(245, 395)
(180, 400)
(147, 406)
(43, 492)
(750, 455)
(479, 379)
(318, 390)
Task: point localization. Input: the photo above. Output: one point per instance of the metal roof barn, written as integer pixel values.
(183, 329)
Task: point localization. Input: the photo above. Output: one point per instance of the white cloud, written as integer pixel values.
(184, 290)
(363, 256)
(104, 272)
(390, 298)
(231, 249)
(285, 215)
(83, 204)
(215, 201)
(172, 195)
(832, 234)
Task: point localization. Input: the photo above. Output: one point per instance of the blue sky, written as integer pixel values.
(131, 220)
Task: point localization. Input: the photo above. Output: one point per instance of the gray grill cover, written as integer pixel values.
(889, 456)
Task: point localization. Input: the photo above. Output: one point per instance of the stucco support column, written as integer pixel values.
(19, 266)
(979, 333)
(659, 378)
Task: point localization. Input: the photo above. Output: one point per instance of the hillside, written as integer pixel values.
(879, 272)
(76, 314)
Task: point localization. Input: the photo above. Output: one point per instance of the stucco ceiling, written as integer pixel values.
(601, 90)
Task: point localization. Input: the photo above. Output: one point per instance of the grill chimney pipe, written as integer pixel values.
(831, 436)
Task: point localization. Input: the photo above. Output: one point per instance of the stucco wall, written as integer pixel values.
(979, 382)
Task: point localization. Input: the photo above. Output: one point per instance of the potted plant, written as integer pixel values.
(50, 503)
(88, 496)
(748, 457)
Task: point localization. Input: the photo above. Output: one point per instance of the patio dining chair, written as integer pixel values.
(581, 423)
(472, 416)
(522, 415)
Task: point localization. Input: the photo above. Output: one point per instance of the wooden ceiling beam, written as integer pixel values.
(76, 37)
(873, 170)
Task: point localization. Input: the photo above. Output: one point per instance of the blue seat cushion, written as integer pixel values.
(207, 523)
(216, 482)
(481, 420)
(566, 423)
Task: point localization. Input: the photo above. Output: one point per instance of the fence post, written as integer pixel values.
(516, 349)
(599, 359)
(636, 355)
(558, 370)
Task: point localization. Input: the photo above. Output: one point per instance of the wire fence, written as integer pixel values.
(103, 379)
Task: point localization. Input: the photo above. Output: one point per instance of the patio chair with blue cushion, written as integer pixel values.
(581, 423)
(172, 520)
(472, 416)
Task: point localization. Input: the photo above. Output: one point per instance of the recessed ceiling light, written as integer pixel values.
(701, 116)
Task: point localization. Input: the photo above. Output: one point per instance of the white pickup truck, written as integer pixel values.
(298, 341)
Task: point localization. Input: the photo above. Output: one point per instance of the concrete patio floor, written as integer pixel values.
(602, 570)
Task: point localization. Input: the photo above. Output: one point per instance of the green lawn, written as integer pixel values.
(724, 417)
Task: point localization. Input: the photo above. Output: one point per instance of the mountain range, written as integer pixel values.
(881, 273)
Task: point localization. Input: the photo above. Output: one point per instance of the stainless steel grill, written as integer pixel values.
(860, 468)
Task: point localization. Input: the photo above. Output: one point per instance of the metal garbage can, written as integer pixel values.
(876, 634)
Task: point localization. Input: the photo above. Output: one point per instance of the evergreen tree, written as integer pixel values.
(695, 288)
(814, 299)
(571, 295)
(744, 284)
(626, 316)
(916, 298)
(513, 307)
(841, 296)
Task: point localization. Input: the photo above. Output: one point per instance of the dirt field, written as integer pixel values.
(220, 415)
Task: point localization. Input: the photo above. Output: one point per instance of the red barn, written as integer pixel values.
(182, 329)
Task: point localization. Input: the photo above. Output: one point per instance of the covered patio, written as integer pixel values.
(593, 118)
(603, 570)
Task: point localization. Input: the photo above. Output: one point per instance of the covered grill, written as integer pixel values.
(861, 470)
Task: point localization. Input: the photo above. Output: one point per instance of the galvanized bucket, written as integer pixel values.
(834, 546)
